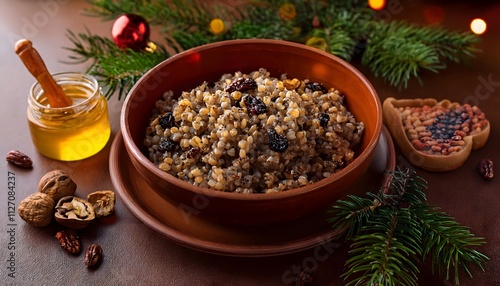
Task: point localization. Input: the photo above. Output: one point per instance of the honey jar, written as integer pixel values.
(69, 133)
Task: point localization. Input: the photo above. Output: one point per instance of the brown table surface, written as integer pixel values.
(137, 255)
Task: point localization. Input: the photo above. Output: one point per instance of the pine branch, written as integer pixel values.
(260, 22)
(170, 15)
(351, 215)
(115, 69)
(408, 186)
(386, 254)
(339, 42)
(393, 229)
(397, 51)
(448, 243)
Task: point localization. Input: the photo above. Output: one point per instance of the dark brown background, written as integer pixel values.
(135, 254)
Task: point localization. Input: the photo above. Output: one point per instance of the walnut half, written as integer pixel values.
(74, 212)
(103, 202)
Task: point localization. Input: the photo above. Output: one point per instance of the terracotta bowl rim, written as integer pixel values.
(144, 161)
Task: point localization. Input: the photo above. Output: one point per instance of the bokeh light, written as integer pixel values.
(478, 26)
(376, 4)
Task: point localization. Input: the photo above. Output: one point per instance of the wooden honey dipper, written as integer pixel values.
(35, 65)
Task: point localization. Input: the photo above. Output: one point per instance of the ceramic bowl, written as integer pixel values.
(188, 69)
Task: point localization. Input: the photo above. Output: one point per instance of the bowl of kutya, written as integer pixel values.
(252, 131)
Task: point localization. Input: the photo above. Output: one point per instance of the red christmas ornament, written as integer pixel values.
(130, 31)
(316, 23)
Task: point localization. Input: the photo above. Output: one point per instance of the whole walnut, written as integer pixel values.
(57, 184)
(37, 209)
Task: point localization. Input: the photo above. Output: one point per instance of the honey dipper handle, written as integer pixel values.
(35, 65)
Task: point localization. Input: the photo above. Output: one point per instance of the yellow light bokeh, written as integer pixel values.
(376, 4)
(217, 26)
(478, 26)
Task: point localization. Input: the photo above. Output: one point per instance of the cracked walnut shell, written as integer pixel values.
(37, 209)
(103, 202)
(57, 184)
(74, 212)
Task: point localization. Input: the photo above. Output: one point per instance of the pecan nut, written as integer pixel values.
(93, 256)
(19, 159)
(69, 241)
(485, 169)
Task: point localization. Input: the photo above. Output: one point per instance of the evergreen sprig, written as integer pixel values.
(395, 51)
(394, 230)
(115, 69)
(448, 243)
(388, 251)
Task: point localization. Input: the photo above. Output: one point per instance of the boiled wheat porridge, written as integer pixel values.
(253, 133)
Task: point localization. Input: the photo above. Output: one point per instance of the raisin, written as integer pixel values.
(323, 119)
(242, 84)
(341, 97)
(277, 142)
(192, 152)
(167, 146)
(314, 86)
(150, 131)
(167, 120)
(210, 84)
(485, 168)
(255, 105)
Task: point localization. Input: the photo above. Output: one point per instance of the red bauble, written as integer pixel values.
(130, 31)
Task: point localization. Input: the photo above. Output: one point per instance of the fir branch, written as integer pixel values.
(393, 229)
(260, 22)
(408, 186)
(342, 29)
(110, 10)
(339, 42)
(170, 15)
(449, 45)
(116, 69)
(397, 51)
(386, 254)
(351, 215)
(189, 39)
(448, 243)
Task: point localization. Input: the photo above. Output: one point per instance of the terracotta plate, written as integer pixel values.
(186, 228)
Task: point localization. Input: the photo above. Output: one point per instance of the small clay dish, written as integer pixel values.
(186, 70)
(393, 119)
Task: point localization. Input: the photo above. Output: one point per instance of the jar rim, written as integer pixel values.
(59, 77)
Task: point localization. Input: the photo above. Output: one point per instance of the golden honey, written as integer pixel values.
(69, 133)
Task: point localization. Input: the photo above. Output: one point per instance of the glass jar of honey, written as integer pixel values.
(69, 133)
